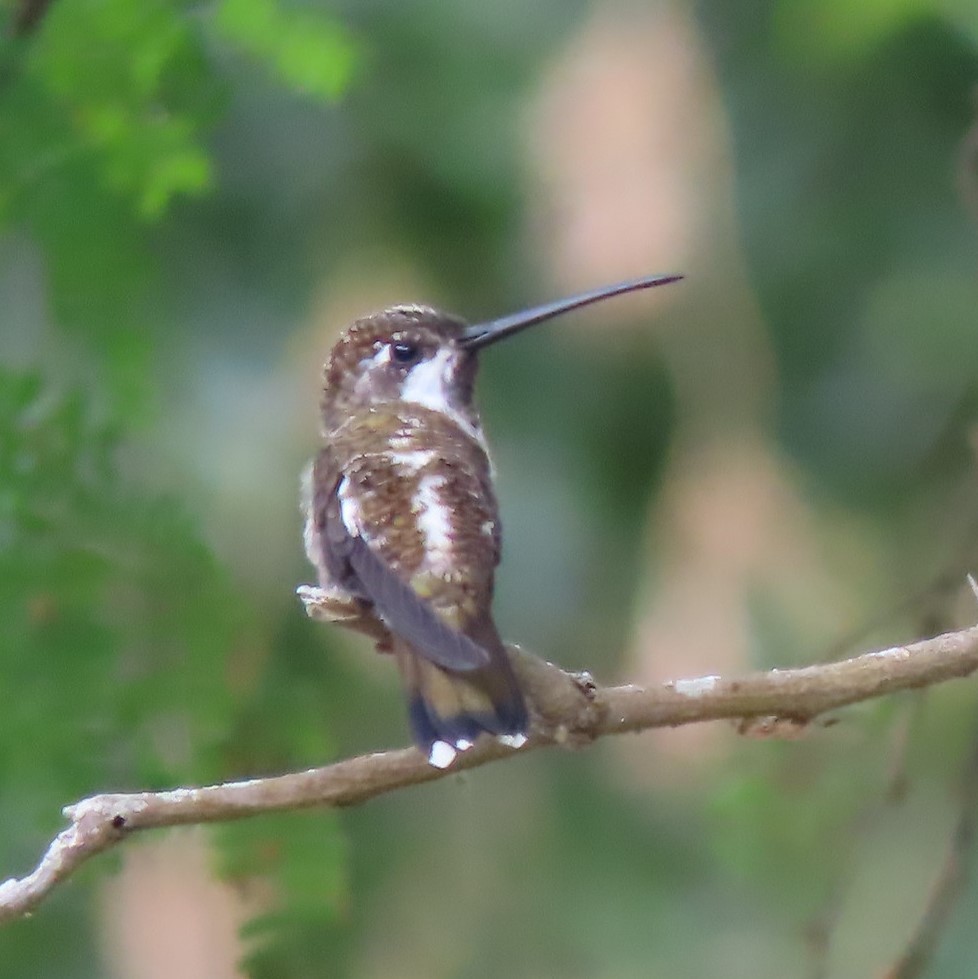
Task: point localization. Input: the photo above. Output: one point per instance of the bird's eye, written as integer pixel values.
(404, 352)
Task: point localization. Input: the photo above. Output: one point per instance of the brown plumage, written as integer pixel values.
(401, 518)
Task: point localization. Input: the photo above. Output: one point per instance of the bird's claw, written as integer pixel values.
(342, 609)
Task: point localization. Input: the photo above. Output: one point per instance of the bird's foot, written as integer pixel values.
(342, 609)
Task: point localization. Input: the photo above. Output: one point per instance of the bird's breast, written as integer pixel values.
(419, 491)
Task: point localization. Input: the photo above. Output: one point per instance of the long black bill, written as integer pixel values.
(482, 334)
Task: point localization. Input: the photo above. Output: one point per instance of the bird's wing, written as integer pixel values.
(358, 564)
(410, 616)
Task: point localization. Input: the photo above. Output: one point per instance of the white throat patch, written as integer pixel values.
(430, 384)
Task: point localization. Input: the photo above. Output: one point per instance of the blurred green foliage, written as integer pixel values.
(117, 624)
(862, 142)
(177, 182)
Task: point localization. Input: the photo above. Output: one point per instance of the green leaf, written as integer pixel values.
(312, 53)
(109, 65)
(114, 617)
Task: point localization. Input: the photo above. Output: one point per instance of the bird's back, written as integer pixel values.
(406, 508)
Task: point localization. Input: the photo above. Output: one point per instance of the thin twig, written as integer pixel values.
(27, 16)
(22, 23)
(926, 602)
(967, 164)
(948, 887)
(820, 930)
(568, 709)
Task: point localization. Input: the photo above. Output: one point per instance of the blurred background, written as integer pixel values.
(769, 464)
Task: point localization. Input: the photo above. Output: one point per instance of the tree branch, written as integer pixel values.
(568, 709)
(27, 16)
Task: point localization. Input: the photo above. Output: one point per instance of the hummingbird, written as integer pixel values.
(401, 520)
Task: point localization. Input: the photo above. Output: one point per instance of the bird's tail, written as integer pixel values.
(449, 709)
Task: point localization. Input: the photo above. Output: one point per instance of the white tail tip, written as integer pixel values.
(442, 754)
(512, 740)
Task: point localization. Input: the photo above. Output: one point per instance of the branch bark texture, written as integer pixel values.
(568, 710)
